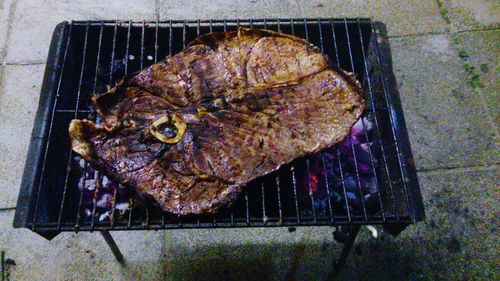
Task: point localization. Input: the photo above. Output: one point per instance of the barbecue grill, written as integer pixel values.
(336, 187)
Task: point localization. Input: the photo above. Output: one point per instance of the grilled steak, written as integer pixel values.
(192, 130)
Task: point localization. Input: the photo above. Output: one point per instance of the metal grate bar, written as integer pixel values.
(294, 180)
(184, 35)
(327, 185)
(335, 47)
(111, 65)
(238, 222)
(156, 41)
(350, 135)
(311, 195)
(78, 95)
(320, 30)
(35, 212)
(294, 183)
(170, 38)
(348, 209)
(99, 177)
(278, 189)
(72, 111)
(388, 104)
(98, 185)
(264, 217)
(127, 50)
(246, 189)
(247, 207)
(142, 44)
(145, 224)
(131, 208)
(111, 70)
(305, 29)
(375, 221)
(330, 209)
(198, 34)
(231, 21)
(128, 44)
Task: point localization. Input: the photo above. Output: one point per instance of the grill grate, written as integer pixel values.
(60, 192)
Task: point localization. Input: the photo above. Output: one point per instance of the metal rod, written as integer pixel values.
(184, 35)
(247, 207)
(350, 135)
(98, 185)
(72, 111)
(142, 44)
(278, 189)
(343, 186)
(294, 183)
(145, 222)
(112, 64)
(170, 35)
(340, 262)
(112, 245)
(111, 70)
(306, 30)
(220, 21)
(128, 46)
(156, 41)
(264, 217)
(320, 37)
(327, 184)
(335, 47)
(335, 43)
(239, 222)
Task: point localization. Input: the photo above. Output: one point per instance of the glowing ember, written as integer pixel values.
(314, 183)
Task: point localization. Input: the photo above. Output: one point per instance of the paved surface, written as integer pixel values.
(446, 62)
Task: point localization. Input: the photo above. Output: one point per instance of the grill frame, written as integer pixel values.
(27, 212)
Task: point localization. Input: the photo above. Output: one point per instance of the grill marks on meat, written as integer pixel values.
(251, 101)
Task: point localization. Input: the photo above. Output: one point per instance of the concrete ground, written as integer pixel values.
(446, 62)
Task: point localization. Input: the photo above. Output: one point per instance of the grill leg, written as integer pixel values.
(112, 245)
(340, 262)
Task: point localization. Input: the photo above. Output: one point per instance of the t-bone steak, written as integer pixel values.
(192, 130)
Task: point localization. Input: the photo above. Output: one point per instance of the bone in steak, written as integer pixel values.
(192, 130)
